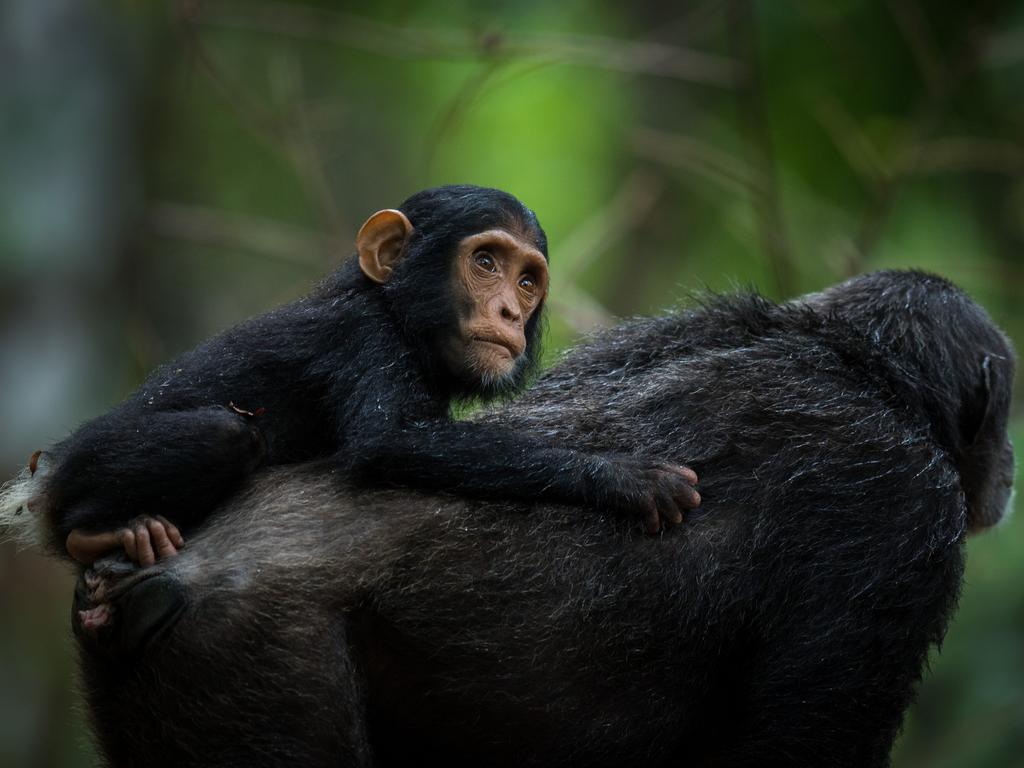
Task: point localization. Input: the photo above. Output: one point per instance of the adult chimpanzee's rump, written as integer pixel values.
(846, 443)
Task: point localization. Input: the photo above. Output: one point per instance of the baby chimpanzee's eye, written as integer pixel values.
(485, 260)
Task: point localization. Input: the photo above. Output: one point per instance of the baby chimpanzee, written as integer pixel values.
(442, 302)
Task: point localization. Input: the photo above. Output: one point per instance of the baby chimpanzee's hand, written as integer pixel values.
(144, 541)
(656, 491)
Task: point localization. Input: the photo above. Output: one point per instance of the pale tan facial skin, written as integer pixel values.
(498, 281)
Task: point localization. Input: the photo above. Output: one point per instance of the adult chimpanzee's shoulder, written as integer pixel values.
(716, 321)
(683, 354)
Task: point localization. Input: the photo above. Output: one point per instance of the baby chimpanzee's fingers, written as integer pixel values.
(688, 497)
(160, 539)
(678, 470)
(685, 474)
(688, 474)
(143, 545)
(667, 508)
(129, 544)
(676, 484)
(172, 532)
(651, 519)
(683, 492)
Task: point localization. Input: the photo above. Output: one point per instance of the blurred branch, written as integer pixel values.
(598, 234)
(698, 157)
(256, 117)
(696, 20)
(308, 22)
(1007, 48)
(843, 46)
(962, 154)
(495, 75)
(607, 225)
(754, 120)
(291, 135)
(302, 149)
(920, 154)
(456, 111)
(204, 226)
(913, 25)
(930, 116)
(853, 144)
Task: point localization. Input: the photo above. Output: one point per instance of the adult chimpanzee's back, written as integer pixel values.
(845, 443)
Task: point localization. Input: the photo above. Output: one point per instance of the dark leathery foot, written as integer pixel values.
(121, 611)
(92, 619)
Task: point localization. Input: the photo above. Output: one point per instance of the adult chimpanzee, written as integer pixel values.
(443, 300)
(848, 440)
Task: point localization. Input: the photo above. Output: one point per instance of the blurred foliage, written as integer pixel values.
(167, 168)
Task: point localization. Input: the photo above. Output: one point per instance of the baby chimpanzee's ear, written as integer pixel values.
(380, 243)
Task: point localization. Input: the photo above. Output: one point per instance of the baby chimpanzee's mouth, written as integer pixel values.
(511, 347)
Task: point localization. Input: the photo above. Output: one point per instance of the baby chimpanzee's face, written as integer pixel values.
(499, 280)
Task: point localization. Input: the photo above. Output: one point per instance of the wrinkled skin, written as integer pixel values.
(500, 280)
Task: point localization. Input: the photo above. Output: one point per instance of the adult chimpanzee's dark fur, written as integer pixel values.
(846, 443)
(355, 369)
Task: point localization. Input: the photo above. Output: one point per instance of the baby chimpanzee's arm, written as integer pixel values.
(132, 462)
(484, 461)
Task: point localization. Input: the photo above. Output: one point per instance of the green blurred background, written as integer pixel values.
(167, 169)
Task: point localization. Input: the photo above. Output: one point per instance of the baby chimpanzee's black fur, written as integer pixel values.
(848, 440)
(354, 370)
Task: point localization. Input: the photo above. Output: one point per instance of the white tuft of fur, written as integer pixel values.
(21, 518)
